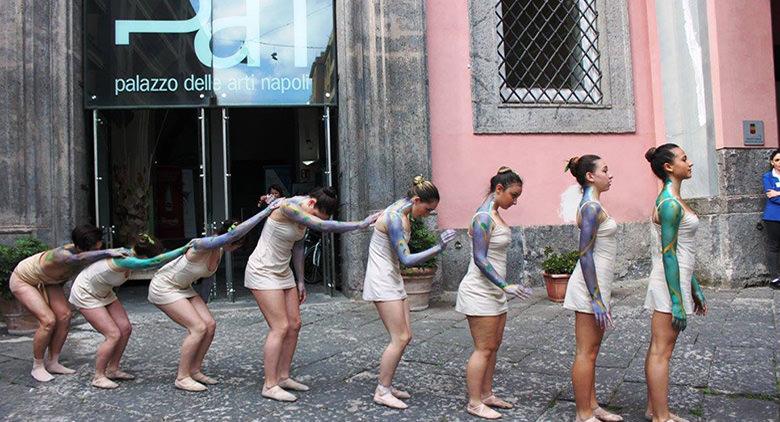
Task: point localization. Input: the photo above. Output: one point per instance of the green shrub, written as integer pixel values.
(10, 256)
(559, 263)
(422, 238)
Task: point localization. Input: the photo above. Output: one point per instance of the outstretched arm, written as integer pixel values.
(292, 209)
(215, 242)
(395, 228)
(63, 256)
(589, 226)
(133, 263)
(670, 213)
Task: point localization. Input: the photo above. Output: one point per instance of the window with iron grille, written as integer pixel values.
(548, 52)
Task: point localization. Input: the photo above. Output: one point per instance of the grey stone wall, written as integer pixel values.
(44, 172)
(384, 136)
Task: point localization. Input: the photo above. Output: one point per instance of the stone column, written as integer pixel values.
(44, 171)
(384, 136)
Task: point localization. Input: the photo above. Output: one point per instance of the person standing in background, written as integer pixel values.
(771, 218)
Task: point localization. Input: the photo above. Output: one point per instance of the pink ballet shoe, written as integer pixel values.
(400, 394)
(384, 396)
(278, 393)
(104, 383)
(672, 417)
(119, 375)
(590, 419)
(189, 384)
(482, 411)
(39, 371)
(291, 384)
(605, 416)
(55, 367)
(494, 401)
(204, 379)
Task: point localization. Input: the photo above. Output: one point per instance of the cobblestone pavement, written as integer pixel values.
(724, 367)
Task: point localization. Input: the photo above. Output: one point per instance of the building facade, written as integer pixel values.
(454, 90)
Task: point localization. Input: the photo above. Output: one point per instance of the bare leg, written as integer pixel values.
(294, 328)
(273, 305)
(101, 320)
(211, 327)
(395, 316)
(487, 380)
(583, 371)
(61, 308)
(484, 331)
(118, 314)
(183, 313)
(33, 300)
(662, 341)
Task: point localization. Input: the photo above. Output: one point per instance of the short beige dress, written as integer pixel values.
(477, 295)
(268, 267)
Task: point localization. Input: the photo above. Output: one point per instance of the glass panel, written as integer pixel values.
(280, 52)
(146, 53)
(102, 177)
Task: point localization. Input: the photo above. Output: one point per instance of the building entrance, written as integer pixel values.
(178, 173)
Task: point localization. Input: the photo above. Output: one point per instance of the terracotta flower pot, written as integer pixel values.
(556, 286)
(18, 319)
(418, 283)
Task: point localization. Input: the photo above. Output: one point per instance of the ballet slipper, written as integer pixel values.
(384, 396)
(605, 416)
(189, 384)
(291, 384)
(55, 367)
(590, 419)
(400, 394)
(203, 379)
(104, 382)
(482, 411)
(119, 375)
(39, 371)
(494, 401)
(277, 393)
(672, 417)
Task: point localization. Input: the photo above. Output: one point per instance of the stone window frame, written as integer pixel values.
(614, 114)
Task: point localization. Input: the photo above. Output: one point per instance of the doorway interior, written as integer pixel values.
(179, 172)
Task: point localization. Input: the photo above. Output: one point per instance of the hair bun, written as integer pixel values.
(329, 191)
(504, 169)
(650, 154)
(418, 180)
(573, 161)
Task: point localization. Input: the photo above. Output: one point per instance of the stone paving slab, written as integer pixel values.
(724, 367)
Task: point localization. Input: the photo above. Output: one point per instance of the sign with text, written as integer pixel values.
(198, 53)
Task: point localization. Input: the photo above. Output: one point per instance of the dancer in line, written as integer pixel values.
(672, 291)
(483, 290)
(383, 283)
(171, 290)
(37, 281)
(589, 290)
(92, 293)
(273, 284)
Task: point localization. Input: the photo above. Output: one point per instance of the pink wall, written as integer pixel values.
(740, 35)
(463, 162)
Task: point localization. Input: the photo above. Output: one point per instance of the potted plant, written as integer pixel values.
(557, 270)
(18, 319)
(418, 280)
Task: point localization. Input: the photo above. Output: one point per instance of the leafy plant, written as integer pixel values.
(10, 256)
(422, 238)
(559, 263)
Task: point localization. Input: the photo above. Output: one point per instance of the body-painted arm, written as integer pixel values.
(700, 304)
(133, 263)
(215, 242)
(670, 213)
(395, 228)
(298, 254)
(481, 230)
(63, 256)
(589, 226)
(292, 209)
